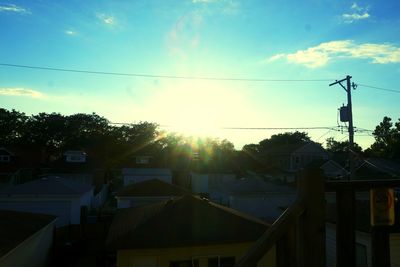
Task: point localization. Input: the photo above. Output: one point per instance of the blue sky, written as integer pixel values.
(208, 38)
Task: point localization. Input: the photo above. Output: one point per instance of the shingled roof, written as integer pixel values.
(185, 221)
(153, 187)
(16, 227)
(47, 186)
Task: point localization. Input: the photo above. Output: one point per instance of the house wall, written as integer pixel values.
(33, 252)
(86, 198)
(199, 183)
(128, 202)
(163, 257)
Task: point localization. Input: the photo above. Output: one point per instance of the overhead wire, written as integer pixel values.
(379, 88)
(145, 75)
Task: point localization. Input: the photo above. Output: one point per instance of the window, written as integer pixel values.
(142, 160)
(187, 263)
(4, 158)
(76, 158)
(223, 262)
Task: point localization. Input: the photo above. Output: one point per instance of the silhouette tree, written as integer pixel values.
(387, 139)
(334, 146)
(12, 126)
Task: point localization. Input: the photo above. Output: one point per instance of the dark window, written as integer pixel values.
(4, 158)
(189, 263)
(223, 262)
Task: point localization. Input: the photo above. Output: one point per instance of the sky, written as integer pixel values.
(286, 53)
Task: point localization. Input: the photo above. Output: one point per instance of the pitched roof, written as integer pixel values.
(15, 227)
(256, 185)
(146, 171)
(51, 185)
(153, 187)
(185, 221)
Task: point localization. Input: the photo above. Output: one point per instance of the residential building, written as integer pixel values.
(26, 238)
(49, 195)
(186, 231)
(291, 158)
(76, 156)
(256, 197)
(147, 192)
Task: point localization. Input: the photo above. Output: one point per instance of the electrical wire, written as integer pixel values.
(162, 76)
(379, 88)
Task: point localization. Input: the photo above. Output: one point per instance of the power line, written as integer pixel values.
(281, 128)
(379, 88)
(161, 76)
(330, 128)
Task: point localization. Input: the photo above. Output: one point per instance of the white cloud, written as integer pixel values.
(13, 8)
(358, 13)
(107, 19)
(323, 53)
(349, 18)
(21, 92)
(71, 32)
(203, 1)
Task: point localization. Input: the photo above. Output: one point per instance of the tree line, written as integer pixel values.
(116, 145)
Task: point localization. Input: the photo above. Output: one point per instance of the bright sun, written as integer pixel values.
(199, 108)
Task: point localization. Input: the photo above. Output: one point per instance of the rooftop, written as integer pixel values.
(51, 185)
(153, 187)
(15, 227)
(185, 221)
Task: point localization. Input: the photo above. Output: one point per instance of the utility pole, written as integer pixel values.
(349, 118)
(345, 197)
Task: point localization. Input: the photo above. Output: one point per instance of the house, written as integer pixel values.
(205, 183)
(143, 160)
(76, 156)
(147, 192)
(135, 175)
(77, 166)
(5, 155)
(186, 231)
(26, 238)
(291, 158)
(256, 197)
(49, 195)
(199, 183)
(18, 165)
(333, 170)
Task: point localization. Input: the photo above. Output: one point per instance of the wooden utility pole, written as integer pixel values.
(349, 110)
(345, 197)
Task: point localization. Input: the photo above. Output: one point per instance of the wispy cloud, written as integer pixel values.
(184, 35)
(106, 19)
(203, 1)
(322, 54)
(23, 92)
(356, 13)
(71, 32)
(13, 9)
